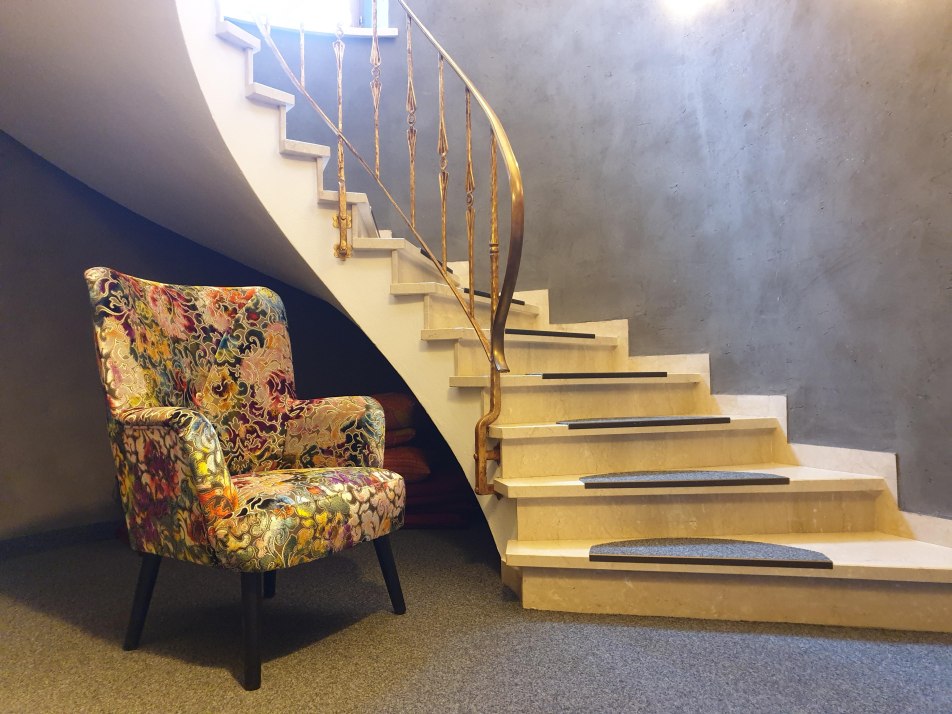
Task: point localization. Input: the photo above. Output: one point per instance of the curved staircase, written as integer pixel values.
(678, 465)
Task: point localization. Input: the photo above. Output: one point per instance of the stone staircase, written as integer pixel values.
(577, 405)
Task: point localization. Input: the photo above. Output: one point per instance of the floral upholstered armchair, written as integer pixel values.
(218, 462)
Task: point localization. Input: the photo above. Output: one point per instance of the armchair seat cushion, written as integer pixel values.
(293, 516)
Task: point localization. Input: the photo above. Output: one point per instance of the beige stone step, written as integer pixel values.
(856, 556)
(877, 580)
(532, 398)
(815, 501)
(533, 450)
(441, 309)
(411, 266)
(803, 479)
(529, 353)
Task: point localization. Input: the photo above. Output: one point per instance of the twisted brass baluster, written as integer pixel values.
(493, 229)
(442, 146)
(411, 121)
(470, 206)
(375, 86)
(342, 221)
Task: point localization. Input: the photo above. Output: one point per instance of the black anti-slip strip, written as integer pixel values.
(708, 551)
(550, 333)
(624, 422)
(485, 294)
(601, 375)
(683, 479)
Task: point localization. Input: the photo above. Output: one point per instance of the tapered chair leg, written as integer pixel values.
(389, 570)
(148, 572)
(270, 583)
(251, 586)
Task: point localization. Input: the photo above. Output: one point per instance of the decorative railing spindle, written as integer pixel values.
(470, 204)
(442, 146)
(411, 121)
(375, 85)
(342, 221)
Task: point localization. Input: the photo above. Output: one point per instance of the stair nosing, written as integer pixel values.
(554, 430)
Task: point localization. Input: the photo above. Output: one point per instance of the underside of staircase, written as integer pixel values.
(624, 485)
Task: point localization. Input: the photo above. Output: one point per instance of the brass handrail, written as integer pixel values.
(500, 299)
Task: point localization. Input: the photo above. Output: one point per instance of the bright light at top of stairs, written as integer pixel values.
(316, 16)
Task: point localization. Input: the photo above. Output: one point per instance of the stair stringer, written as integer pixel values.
(288, 190)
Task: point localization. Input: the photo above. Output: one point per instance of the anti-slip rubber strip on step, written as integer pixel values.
(683, 479)
(626, 422)
(708, 551)
(601, 375)
(550, 333)
(485, 294)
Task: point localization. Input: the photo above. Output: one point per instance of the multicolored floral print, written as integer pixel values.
(199, 384)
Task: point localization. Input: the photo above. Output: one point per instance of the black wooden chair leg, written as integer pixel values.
(251, 585)
(389, 570)
(148, 572)
(270, 583)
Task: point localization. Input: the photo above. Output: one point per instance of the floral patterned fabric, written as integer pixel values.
(200, 386)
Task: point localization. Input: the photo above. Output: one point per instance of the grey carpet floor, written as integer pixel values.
(465, 645)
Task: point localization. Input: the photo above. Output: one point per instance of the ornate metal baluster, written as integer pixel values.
(470, 206)
(493, 229)
(375, 85)
(342, 221)
(411, 121)
(442, 146)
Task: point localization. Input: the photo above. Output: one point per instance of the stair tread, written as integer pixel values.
(352, 197)
(863, 556)
(467, 333)
(708, 551)
(554, 429)
(802, 479)
(259, 92)
(381, 243)
(442, 290)
(234, 35)
(643, 421)
(306, 149)
(538, 380)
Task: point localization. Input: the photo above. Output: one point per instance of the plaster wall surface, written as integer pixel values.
(767, 182)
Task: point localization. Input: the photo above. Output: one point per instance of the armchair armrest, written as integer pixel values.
(335, 431)
(173, 480)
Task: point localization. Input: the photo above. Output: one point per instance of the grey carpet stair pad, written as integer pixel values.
(708, 551)
(626, 422)
(683, 479)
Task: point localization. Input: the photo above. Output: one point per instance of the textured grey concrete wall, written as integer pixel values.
(767, 182)
(55, 467)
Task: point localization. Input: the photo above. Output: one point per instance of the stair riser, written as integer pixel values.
(683, 516)
(530, 357)
(555, 402)
(591, 454)
(444, 311)
(410, 266)
(853, 603)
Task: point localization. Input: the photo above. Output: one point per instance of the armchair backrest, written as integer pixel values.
(222, 351)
